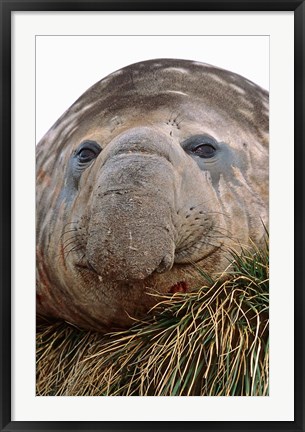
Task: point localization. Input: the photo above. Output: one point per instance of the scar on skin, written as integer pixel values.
(179, 287)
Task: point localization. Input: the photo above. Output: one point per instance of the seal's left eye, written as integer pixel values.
(204, 151)
(203, 146)
(88, 151)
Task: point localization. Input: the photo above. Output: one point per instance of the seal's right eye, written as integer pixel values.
(86, 155)
(88, 151)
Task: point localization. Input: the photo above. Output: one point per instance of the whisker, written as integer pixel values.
(218, 246)
(178, 122)
(66, 232)
(216, 236)
(69, 223)
(171, 117)
(67, 245)
(82, 257)
(70, 238)
(222, 230)
(211, 212)
(76, 248)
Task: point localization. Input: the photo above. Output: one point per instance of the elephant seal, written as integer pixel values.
(160, 165)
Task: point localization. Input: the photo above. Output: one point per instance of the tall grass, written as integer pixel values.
(213, 341)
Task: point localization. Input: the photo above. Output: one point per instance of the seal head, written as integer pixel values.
(158, 166)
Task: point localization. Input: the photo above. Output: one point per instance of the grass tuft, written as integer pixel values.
(211, 342)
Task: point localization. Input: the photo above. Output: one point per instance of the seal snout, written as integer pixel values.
(131, 234)
(130, 238)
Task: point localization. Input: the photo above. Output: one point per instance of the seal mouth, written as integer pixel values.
(180, 286)
(164, 266)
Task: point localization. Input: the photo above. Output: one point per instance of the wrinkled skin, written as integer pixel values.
(158, 166)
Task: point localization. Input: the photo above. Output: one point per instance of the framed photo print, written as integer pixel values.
(152, 215)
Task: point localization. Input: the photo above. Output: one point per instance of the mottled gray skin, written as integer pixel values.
(131, 220)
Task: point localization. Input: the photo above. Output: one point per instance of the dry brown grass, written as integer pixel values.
(210, 342)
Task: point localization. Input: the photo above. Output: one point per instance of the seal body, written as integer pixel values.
(158, 166)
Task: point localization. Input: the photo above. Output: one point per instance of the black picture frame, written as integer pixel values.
(7, 7)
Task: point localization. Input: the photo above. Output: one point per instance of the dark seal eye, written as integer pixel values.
(88, 151)
(203, 146)
(204, 151)
(86, 155)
